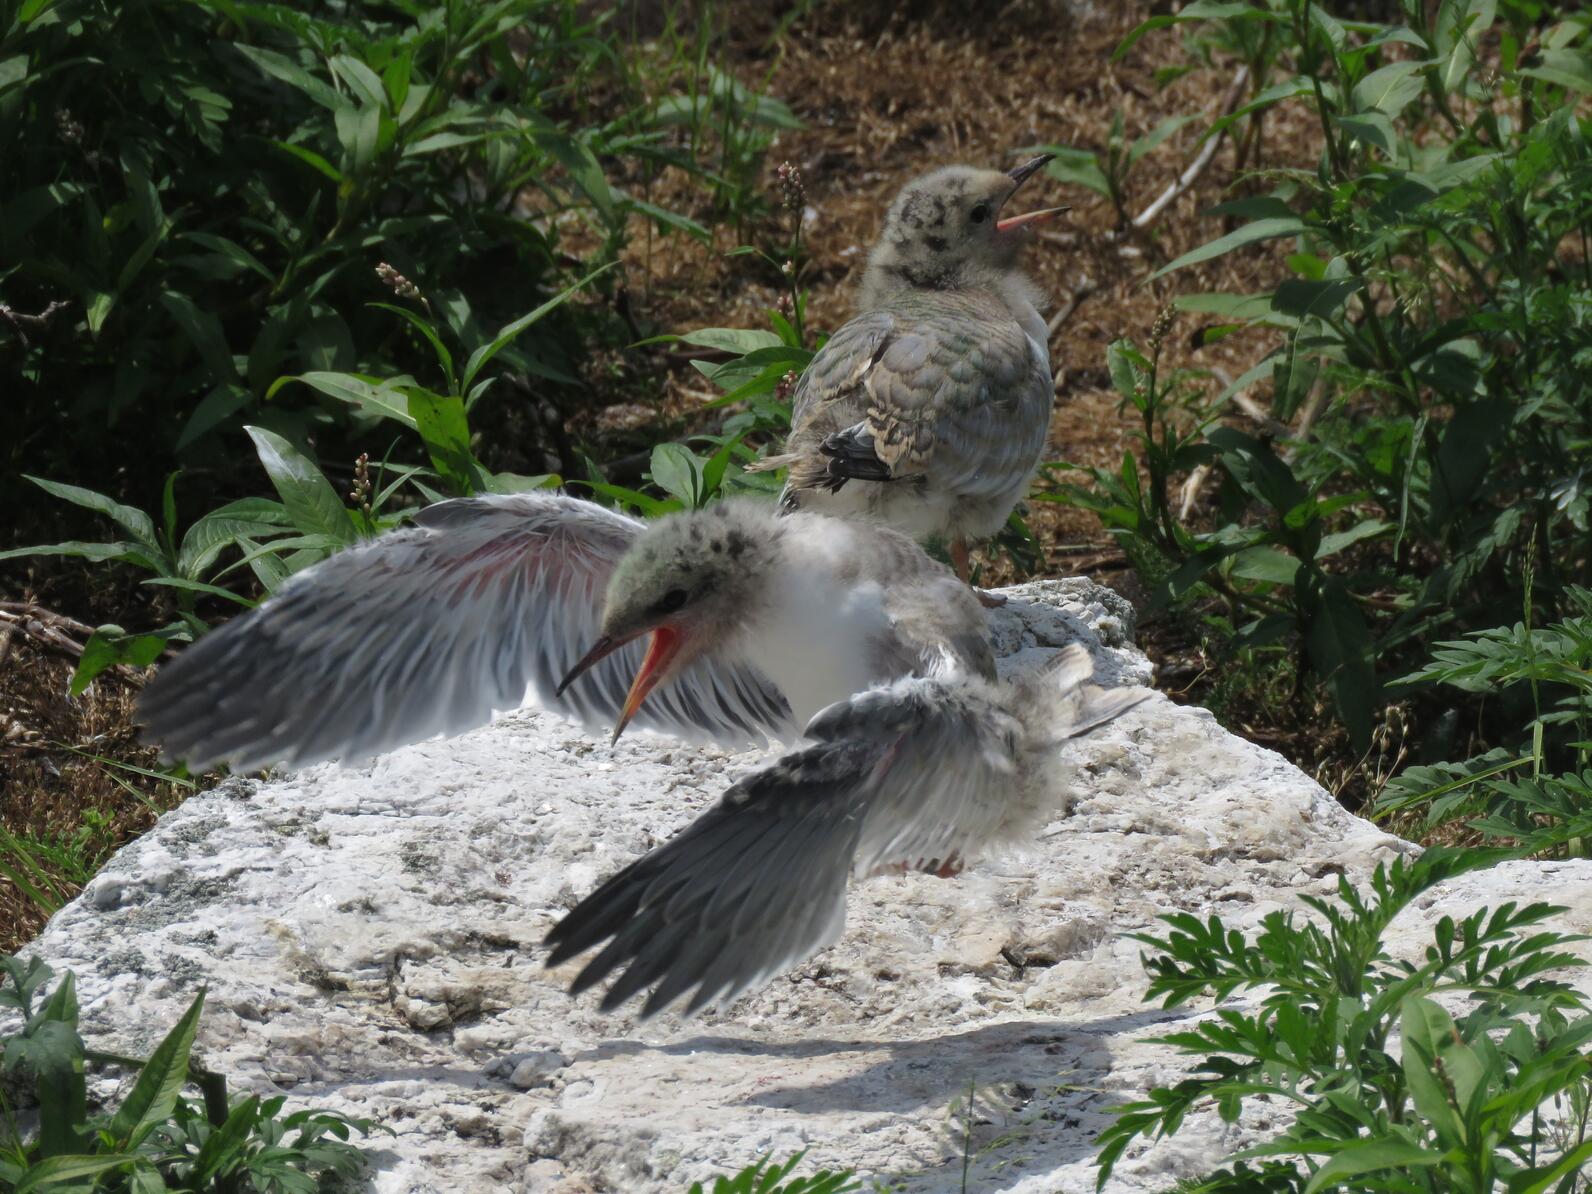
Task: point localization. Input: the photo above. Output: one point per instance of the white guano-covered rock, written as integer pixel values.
(370, 941)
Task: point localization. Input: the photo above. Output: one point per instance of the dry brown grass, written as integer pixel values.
(70, 796)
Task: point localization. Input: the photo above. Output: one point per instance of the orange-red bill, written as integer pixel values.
(661, 648)
(1029, 217)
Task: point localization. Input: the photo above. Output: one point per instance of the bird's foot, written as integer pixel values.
(989, 600)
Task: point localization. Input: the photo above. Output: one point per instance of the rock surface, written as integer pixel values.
(369, 938)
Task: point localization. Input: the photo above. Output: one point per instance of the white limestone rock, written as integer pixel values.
(369, 938)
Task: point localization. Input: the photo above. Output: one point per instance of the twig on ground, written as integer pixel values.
(42, 633)
(1085, 287)
(1191, 175)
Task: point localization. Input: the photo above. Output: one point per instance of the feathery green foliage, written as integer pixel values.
(1389, 1089)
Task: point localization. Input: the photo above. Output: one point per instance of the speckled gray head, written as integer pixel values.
(690, 580)
(945, 231)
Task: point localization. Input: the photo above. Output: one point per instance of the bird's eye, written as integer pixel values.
(979, 214)
(672, 600)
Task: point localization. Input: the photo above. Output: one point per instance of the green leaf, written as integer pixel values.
(1426, 1029)
(135, 522)
(361, 80)
(159, 1083)
(311, 158)
(423, 326)
(279, 66)
(311, 502)
(197, 586)
(480, 357)
(59, 1170)
(1389, 89)
(1266, 564)
(1157, 135)
(1370, 1157)
(1077, 167)
(1332, 544)
(1340, 649)
(111, 645)
(358, 391)
(1257, 230)
(1569, 68)
(678, 472)
(204, 332)
(737, 340)
(581, 164)
(129, 553)
(665, 218)
(1301, 298)
(445, 429)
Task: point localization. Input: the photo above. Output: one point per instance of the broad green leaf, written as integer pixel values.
(361, 80)
(198, 586)
(311, 502)
(665, 218)
(1426, 1029)
(480, 357)
(111, 645)
(678, 472)
(1266, 564)
(311, 158)
(581, 164)
(135, 522)
(1077, 167)
(443, 426)
(279, 66)
(1251, 233)
(1300, 297)
(153, 1096)
(736, 340)
(1332, 544)
(1368, 1158)
(1157, 135)
(1389, 89)
(204, 332)
(1570, 68)
(423, 326)
(1371, 128)
(59, 1170)
(223, 401)
(358, 391)
(519, 483)
(98, 552)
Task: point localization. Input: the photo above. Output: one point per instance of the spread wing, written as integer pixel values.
(913, 773)
(430, 630)
(961, 396)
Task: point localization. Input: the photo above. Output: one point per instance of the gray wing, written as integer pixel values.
(961, 396)
(913, 773)
(430, 630)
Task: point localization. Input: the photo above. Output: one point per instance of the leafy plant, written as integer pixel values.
(1106, 172)
(1466, 1105)
(1506, 793)
(764, 1178)
(158, 1138)
(1428, 410)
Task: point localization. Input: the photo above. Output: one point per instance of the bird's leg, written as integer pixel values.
(964, 572)
(959, 559)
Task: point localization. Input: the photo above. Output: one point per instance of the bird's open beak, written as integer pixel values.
(661, 650)
(1029, 168)
(1028, 217)
(1019, 176)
